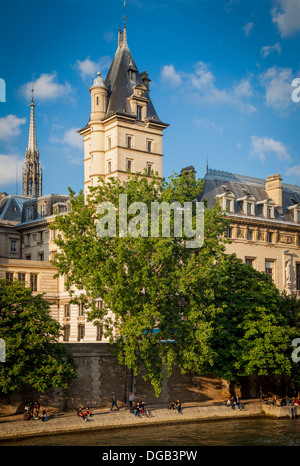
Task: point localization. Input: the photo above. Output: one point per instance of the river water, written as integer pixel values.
(240, 432)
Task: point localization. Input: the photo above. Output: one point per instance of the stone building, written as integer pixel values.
(265, 223)
(124, 135)
(124, 132)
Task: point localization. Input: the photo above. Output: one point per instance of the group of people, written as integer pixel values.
(176, 406)
(235, 403)
(139, 409)
(285, 401)
(32, 411)
(84, 414)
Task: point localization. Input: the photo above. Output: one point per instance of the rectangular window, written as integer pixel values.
(28, 257)
(40, 236)
(33, 281)
(28, 239)
(13, 246)
(250, 235)
(81, 309)
(149, 169)
(29, 213)
(149, 146)
(139, 112)
(129, 142)
(129, 165)
(66, 333)
(41, 256)
(269, 212)
(43, 211)
(21, 277)
(81, 332)
(99, 336)
(100, 304)
(298, 276)
(67, 310)
(269, 237)
(9, 276)
(249, 261)
(109, 167)
(229, 232)
(249, 210)
(228, 205)
(270, 268)
(108, 143)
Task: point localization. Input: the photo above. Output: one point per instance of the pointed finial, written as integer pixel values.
(32, 91)
(124, 16)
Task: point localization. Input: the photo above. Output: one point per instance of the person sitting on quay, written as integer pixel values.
(81, 414)
(178, 406)
(88, 412)
(172, 405)
(44, 416)
(145, 411)
(136, 410)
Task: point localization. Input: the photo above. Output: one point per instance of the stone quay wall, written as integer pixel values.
(98, 373)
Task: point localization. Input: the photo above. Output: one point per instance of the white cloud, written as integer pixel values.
(73, 139)
(169, 74)
(46, 87)
(278, 85)
(11, 168)
(200, 87)
(293, 171)
(89, 68)
(69, 142)
(248, 28)
(262, 146)
(286, 15)
(205, 123)
(10, 126)
(267, 49)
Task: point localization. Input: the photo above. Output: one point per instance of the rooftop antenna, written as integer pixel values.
(124, 16)
(207, 165)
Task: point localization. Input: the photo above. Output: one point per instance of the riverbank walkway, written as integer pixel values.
(15, 427)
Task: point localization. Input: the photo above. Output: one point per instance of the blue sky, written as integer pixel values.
(221, 72)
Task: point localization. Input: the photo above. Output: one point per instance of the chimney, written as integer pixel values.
(273, 187)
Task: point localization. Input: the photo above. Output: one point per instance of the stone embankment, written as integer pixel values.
(15, 427)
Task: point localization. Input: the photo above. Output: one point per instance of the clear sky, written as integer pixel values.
(221, 74)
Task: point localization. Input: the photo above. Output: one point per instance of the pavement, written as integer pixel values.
(15, 427)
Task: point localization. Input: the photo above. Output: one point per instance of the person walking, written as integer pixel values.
(114, 400)
(131, 398)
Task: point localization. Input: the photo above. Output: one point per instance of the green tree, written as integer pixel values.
(251, 325)
(33, 354)
(139, 278)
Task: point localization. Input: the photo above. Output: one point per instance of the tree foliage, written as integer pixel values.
(225, 318)
(33, 354)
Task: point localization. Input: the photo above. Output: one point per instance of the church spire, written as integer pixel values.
(32, 172)
(32, 144)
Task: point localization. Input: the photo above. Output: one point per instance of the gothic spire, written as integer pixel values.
(32, 144)
(32, 172)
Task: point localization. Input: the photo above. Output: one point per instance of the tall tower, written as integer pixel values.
(124, 133)
(32, 171)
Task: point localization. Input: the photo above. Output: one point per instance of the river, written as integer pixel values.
(241, 432)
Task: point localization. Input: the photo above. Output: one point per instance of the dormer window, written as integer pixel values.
(295, 212)
(139, 111)
(268, 208)
(247, 204)
(227, 200)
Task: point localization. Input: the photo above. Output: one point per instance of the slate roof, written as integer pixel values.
(121, 87)
(217, 181)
